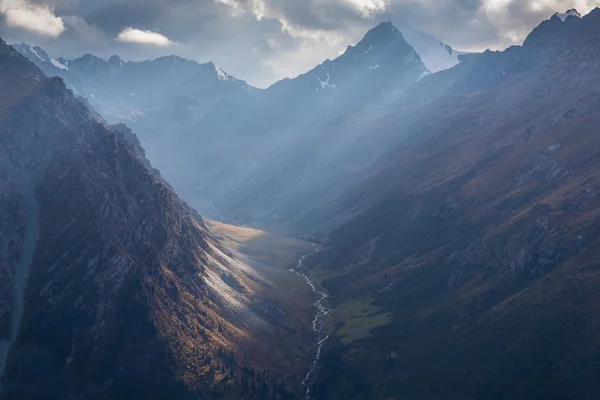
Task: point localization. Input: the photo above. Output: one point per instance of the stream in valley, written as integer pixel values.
(318, 324)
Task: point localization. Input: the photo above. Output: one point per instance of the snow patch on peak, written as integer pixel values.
(222, 75)
(58, 64)
(436, 55)
(326, 84)
(424, 74)
(570, 13)
(34, 51)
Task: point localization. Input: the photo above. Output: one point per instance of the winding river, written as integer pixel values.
(317, 323)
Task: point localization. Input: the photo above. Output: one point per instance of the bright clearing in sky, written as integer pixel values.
(139, 36)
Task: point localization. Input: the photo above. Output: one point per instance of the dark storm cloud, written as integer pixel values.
(262, 40)
(112, 16)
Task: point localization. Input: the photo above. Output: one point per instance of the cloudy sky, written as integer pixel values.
(261, 40)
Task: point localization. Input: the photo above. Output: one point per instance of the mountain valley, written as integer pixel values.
(415, 223)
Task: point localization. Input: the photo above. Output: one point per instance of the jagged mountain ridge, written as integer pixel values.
(570, 13)
(383, 54)
(48, 65)
(117, 288)
(152, 95)
(377, 67)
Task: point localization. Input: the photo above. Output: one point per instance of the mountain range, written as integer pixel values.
(452, 198)
(184, 110)
(145, 93)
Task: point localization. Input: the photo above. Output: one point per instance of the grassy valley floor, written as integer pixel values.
(271, 257)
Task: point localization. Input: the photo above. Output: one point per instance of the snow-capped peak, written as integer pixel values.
(570, 13)
(436, 55)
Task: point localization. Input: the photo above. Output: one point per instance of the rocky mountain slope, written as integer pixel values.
(112, 287)
(465, 262)
(330, 157)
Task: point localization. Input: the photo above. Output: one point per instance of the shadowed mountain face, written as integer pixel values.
(467, 266)
(327, 160)
(111, 286)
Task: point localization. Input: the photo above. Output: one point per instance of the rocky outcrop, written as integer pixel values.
(134, 141)
(541, 165)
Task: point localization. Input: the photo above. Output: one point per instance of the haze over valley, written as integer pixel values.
(404, 218)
